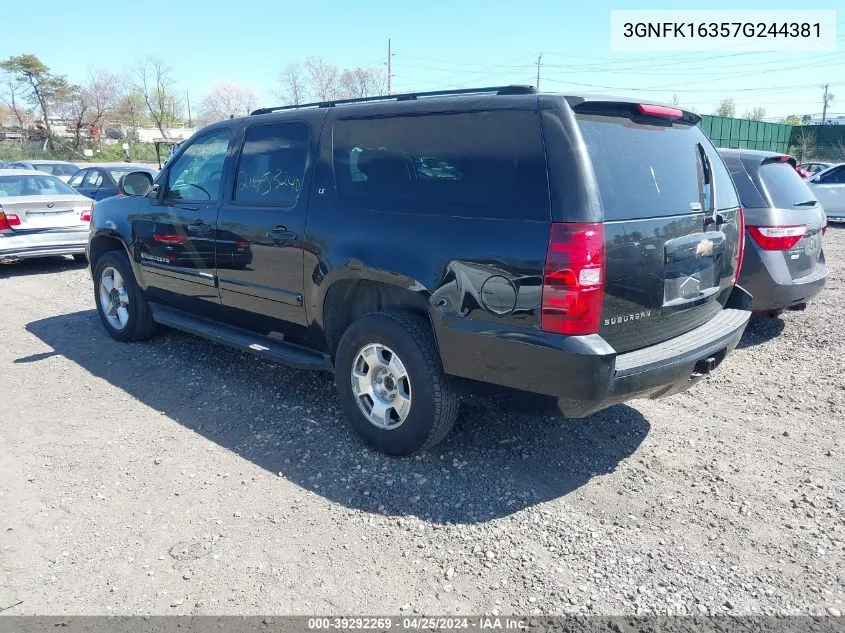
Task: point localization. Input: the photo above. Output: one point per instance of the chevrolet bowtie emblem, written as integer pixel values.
(704, 248)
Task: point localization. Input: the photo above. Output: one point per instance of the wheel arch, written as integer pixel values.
(348, 299)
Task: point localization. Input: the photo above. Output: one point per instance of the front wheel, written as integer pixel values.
(391, 383)
(121, 305)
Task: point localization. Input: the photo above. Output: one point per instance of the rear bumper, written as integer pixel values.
(44, 243)
(776, 290)
(584, 372)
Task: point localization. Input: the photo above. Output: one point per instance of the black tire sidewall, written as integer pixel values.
(118, 261)
(412, 435)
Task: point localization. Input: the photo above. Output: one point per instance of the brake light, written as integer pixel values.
(824, 230)
(661, 111)
(573, 279)
(241, 244)
(8, 220)
(777, 238)
(740, 227)
(85, 216)
(168, 239)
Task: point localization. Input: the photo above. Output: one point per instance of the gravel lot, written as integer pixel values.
(176, 476)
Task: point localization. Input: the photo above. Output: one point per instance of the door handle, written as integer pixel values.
(199, 227)
(280, 235)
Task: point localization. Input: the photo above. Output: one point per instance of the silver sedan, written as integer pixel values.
(41, 216)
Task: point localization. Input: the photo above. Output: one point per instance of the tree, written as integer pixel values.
(323, 78)
(361, 82)
(839, 149)
(154, 80)
(805, 144)
(103, 91)
(226, 99)
(12, 98)
(792, 119)
(130, 112)
(43, 88)
(76, 107)
(755, 114)
(292, 84)
(676, 101)
(727, 108)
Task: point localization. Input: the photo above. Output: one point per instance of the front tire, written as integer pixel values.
(391, 383)
(121, 305)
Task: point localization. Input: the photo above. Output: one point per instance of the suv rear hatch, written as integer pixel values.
(671, 221)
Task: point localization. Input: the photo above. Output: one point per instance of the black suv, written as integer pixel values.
(580, 247)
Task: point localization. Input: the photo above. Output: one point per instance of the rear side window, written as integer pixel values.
(272, 164)
(785, 187)
(653, 170)
(479, 164)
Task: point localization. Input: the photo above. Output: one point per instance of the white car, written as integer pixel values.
(829, 188)
(61, 169)
(41, 216)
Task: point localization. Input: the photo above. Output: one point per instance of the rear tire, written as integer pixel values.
(121, 305)
(387, 369)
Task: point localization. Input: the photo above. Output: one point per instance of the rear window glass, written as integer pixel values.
(784, 186)
(653, 170)
(57, 169)
(479, 164)
(33, 186)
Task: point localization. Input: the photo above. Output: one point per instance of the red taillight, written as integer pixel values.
(777, 238)
(661, 111)
(824, 230)
(242, 244)
(740, 249)
(85, 216)
(8, 220)
(573, 279)
(168, 239)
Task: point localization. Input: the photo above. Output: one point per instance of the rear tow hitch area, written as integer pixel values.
(704, 366)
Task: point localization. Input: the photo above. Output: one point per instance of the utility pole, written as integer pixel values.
(188, 97)
(828, 98)
(539, 60)
(389, 67)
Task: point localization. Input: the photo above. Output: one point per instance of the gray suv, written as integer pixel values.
(783, 266)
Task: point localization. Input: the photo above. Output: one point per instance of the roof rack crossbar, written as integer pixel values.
(409, 96)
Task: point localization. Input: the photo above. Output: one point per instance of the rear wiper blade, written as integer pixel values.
(808, 203)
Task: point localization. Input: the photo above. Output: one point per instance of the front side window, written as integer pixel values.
(478, 164)
(271, 167)
(833, 177)
(77, 178)
(197, 174)
(94, 178)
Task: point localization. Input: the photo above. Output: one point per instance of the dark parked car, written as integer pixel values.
(100, 181)
(784, 263)
(406, 241)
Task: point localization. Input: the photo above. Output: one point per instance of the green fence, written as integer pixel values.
(746, 134)
(819, 142)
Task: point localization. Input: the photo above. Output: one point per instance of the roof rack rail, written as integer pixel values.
(410, 96)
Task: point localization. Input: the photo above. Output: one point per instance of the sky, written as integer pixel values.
(438, 44)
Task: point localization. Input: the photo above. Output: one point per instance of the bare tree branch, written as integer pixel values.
(156, 84)
(227, 99)
(323, 78)
(292, 84)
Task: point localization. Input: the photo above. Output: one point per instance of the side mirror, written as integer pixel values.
(135, 183)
